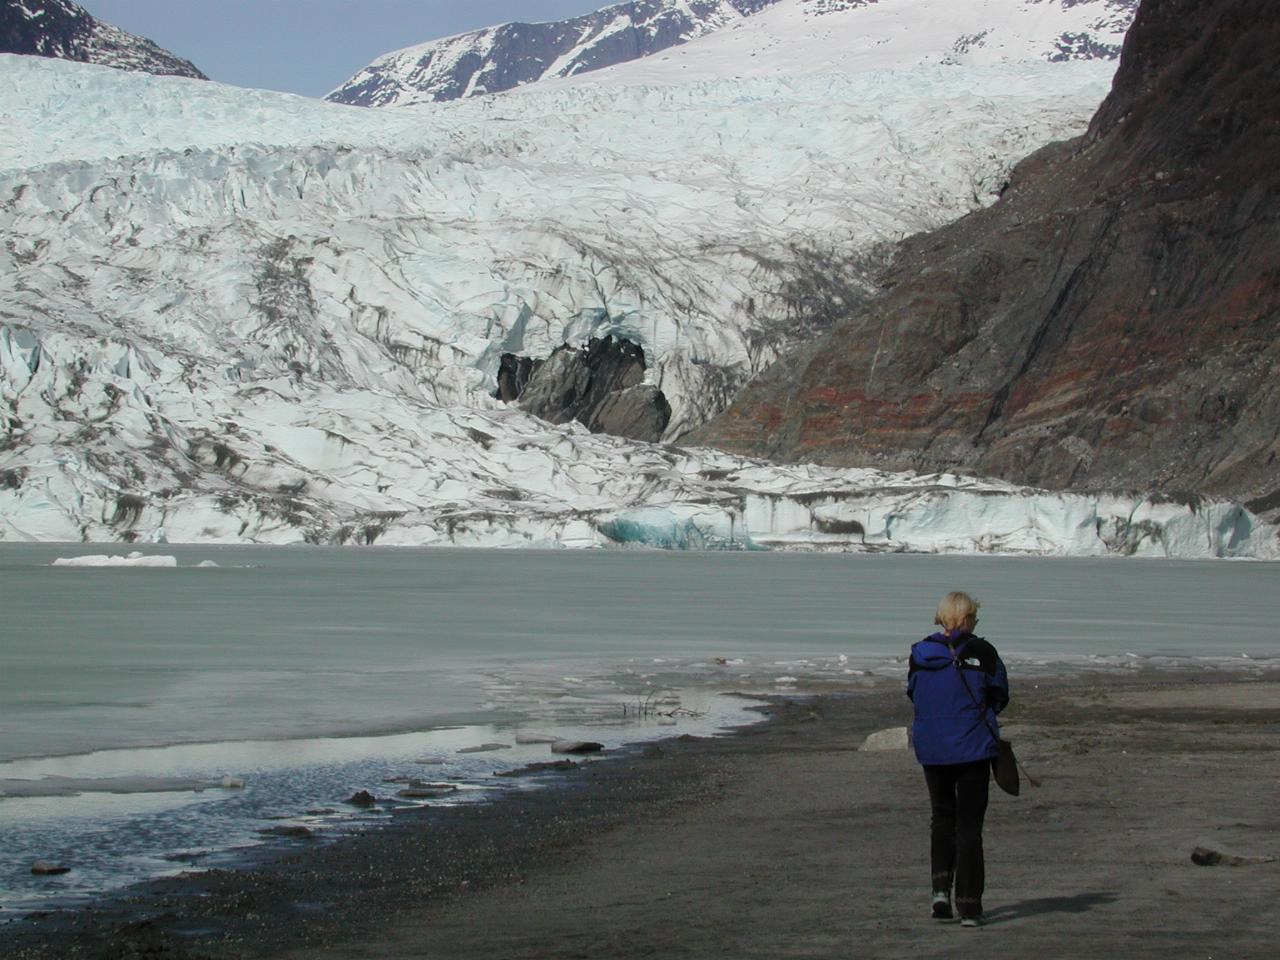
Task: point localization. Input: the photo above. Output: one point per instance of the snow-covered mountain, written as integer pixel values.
(665, 41)
(59, 28)
(513, 54)
(235, 315)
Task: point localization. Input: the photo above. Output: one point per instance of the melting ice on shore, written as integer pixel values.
(53, 785)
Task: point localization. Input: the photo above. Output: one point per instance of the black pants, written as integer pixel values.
(958, 793)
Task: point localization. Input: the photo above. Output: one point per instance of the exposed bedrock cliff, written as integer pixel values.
(1113, 321)
(600, 384)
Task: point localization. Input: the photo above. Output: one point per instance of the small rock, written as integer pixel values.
(894, 738)
(302, 833)
(1205, 857)
(576, 746)
(418, 790)
(44, 868)
(485, 748)
(538, 768)
(362, 798)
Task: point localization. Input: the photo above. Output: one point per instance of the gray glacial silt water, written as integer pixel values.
(311, 672)
(315, 641)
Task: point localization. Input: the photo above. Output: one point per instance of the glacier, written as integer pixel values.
(235, 316)
(412, 248)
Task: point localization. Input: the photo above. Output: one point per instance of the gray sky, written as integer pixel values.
(310, 46)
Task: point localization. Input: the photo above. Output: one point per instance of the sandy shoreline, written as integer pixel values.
(781, 841)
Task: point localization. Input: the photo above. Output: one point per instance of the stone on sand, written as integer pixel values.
(894, 738)
(576, 746)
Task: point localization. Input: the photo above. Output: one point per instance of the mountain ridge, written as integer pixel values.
(678, 41)
(65, 30)
(502, 57)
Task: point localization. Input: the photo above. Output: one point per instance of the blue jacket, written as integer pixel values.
(950, 725)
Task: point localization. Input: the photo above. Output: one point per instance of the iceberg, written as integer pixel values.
(135, 559)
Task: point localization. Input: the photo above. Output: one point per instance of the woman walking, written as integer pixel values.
(958, 684)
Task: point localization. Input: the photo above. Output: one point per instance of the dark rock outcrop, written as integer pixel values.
(600, 385)
(59, 28)
(514, 374)
(506, 56)
(1112, 322)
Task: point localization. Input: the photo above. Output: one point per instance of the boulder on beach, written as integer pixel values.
(894, 738)
(46, 868)
(576, 746)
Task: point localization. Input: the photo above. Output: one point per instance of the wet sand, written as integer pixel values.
(782, 841)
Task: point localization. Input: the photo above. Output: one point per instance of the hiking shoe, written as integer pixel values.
(976, 920)
(942, 906)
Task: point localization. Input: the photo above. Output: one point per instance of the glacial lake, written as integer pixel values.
(307, 673)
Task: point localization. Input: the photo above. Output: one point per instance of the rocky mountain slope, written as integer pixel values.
(59, 28)
(679, 41)
(1113, 321)
(513, 54)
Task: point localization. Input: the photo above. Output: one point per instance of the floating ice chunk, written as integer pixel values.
(784, 681)
(485, 747)
(135, 559)
(55, 786)
(528, 738)
(205, 564)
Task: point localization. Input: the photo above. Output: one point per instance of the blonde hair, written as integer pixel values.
(955, 609)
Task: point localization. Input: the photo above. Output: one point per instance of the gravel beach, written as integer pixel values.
(782, 840)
